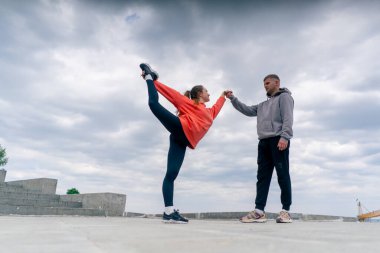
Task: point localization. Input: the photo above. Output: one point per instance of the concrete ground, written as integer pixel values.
(67, 234)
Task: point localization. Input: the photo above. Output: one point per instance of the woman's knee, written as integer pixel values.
(171, 176)
(153, 104)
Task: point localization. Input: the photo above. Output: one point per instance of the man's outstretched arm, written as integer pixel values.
(241, 107)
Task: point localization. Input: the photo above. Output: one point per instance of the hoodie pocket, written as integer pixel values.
(265, 126)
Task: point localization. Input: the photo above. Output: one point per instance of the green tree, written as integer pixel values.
(72, 191)
(3, 156)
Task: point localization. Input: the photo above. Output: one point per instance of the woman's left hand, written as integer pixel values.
(227, 93)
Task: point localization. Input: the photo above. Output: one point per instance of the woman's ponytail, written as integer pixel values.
(187, 94)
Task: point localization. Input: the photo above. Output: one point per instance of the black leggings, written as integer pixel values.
(178, 142)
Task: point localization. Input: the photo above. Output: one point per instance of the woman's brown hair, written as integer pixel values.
(193, 94)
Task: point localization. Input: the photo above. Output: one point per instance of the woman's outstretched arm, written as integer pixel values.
(215, 109)
(170, 94)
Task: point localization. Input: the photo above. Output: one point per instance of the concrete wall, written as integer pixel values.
(40, 185)
(3, 173)
(112, 203)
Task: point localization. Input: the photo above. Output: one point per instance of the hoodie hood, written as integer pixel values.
(280, 91)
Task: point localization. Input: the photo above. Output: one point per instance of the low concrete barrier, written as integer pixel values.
(132, 214)
(41, 185)
(272, 216)
(112, 203)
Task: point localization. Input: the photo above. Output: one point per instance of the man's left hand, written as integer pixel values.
(282, 144)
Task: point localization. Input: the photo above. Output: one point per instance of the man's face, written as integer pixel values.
(271, 85)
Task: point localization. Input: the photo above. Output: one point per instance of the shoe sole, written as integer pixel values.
(144, 65)
(253, 221)
(289, 221)
(174, 222)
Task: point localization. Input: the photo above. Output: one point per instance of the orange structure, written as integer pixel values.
(363, 216)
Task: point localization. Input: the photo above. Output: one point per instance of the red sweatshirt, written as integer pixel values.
(196, 119)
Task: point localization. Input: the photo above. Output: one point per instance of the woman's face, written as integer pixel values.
(204, 96)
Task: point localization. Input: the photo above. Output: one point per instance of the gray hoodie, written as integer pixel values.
(274, 116)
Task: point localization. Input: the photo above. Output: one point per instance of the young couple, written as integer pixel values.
(274, 129)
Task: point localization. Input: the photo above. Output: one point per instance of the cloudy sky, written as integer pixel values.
(74, 108)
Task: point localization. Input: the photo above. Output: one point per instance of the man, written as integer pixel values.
(274, 129)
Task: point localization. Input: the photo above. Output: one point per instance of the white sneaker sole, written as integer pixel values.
(174, 222)
(254, 221)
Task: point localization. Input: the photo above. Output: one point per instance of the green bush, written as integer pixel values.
(3, 156)
(72, 191)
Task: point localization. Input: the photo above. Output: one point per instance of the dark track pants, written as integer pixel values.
(270, 157)
(178, 142)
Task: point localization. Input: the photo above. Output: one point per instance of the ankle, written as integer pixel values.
(169, 209)
(148, 77)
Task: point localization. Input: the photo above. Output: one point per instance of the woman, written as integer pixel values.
(186, 129)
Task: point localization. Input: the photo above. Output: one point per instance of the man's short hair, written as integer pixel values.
(274, 76)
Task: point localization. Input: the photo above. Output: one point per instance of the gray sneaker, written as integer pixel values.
(284, 217)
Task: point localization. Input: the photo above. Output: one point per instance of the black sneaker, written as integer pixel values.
(147, 70)
(174, 217)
